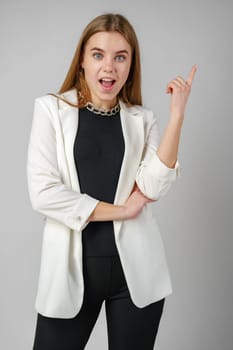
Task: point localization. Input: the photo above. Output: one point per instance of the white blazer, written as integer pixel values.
(55, 193)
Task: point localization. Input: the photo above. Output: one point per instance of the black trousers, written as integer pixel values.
(128, 327)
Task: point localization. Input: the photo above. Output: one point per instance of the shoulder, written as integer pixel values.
(146, 113)
(56, 100)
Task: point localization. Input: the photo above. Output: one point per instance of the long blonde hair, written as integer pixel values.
(131, 91)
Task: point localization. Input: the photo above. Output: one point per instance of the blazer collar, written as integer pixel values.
(71, 96)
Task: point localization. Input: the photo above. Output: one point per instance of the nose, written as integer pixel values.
(108, 69)
(108, 65)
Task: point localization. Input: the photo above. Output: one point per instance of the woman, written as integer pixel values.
(95, 171)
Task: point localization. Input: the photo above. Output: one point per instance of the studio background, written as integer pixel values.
(38, 40)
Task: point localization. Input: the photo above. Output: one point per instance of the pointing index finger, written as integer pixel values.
(192, 74)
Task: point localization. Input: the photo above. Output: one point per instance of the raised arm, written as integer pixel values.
(159, 166)
(180, 90)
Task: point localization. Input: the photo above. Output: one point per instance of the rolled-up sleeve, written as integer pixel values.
(48, 194)
(154, 178)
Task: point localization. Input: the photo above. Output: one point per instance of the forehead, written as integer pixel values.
(108, 41)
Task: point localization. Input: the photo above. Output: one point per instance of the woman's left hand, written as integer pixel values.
(180, 90)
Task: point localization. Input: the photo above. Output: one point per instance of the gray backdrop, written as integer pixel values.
(38, 39)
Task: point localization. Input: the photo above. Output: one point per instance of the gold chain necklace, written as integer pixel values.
(101, 111)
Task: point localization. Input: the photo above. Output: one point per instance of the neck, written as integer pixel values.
(104, 105)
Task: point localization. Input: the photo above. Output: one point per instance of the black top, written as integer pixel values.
(98, 153)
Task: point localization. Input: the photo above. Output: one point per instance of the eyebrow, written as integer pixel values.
(117, 52)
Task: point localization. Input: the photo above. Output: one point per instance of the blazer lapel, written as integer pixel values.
(133, 133)
(69, 124)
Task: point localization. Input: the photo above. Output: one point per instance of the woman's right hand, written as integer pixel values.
(135, 202)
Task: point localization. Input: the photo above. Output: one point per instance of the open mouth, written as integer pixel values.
(107, 83)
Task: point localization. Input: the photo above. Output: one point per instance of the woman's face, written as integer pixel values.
(106, 63)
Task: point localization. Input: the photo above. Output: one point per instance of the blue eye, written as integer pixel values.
(97, 55)
(120, 58)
